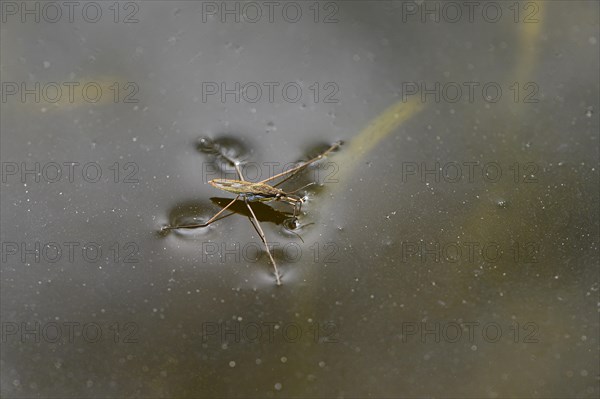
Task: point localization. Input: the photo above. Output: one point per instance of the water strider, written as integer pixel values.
(259, 191)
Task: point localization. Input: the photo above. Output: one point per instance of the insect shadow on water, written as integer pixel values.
(264, 213)
(190, 212)
(254, 192)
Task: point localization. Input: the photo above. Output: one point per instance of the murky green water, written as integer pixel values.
(455, 256)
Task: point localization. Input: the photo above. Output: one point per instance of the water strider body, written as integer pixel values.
(261, 192)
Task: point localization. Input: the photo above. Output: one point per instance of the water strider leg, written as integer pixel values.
(297, 208)
(264, 239)
(235, 164)
(194, 226)
(305, 164)
(212, 219)
(298, 189)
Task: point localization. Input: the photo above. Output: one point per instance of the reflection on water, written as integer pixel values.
(395, 283)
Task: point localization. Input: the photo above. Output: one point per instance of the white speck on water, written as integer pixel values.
(232, 364)
(278, 386)
(283, 359)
